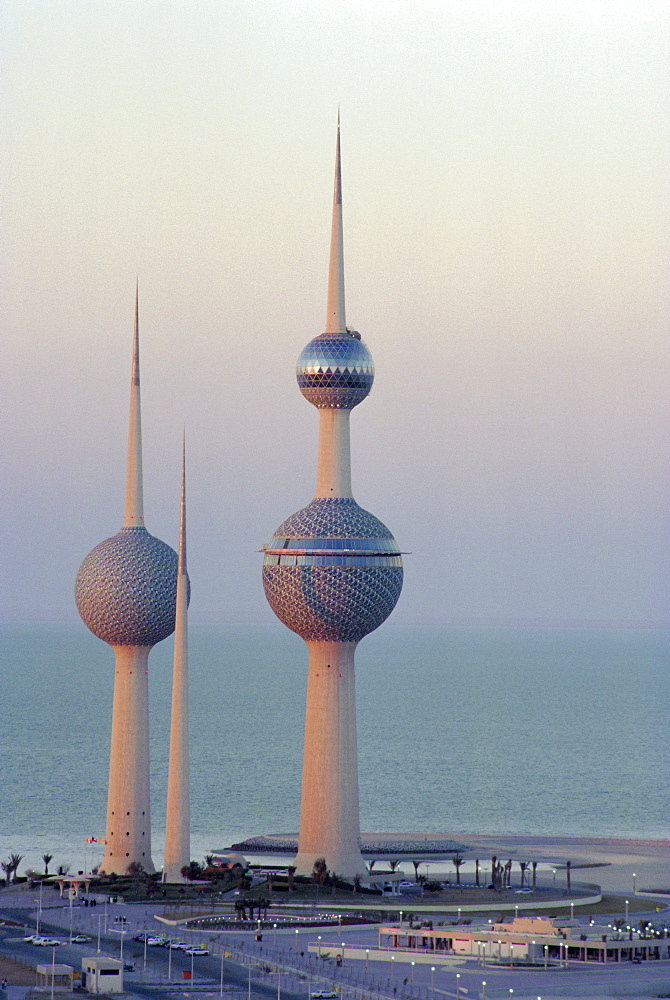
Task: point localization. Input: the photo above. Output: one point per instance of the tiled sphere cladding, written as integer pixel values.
(335, 370)
(126, 589)
(332, 571)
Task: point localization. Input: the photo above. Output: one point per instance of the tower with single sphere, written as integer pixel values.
(332, 573)
(126, 592)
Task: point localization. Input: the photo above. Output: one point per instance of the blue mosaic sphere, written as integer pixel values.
(335, 370)
(126, 589)
(332, 571)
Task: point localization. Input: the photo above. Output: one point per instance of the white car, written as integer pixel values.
(80, 939)
(47, 942)
(30, 938)
(179, 945)
(155, 942)
(197, 951)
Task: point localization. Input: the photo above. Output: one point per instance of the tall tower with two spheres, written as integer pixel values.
(332, 573)
(126, 591)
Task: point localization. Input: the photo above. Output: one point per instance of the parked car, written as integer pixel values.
(156, 942)
(30, 938)
(47, 942)
(179, 945)
(197, 951)
(142, 936)
(80, 939)
(324, 995)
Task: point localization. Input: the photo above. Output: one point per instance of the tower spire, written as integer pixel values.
(134, 511)
(178, 813)
(335, 315)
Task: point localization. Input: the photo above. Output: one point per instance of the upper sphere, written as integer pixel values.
(335, 370)
(126, 589)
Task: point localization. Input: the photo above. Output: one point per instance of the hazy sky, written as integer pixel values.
(506, 223)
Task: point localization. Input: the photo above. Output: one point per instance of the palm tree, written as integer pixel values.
(523, 865)
(7, 869)
(47, 859)
(290, 872)
(567, 873)
(534, 873)
(319, 871)
(476, 871)
(457, 861)
(16, 860)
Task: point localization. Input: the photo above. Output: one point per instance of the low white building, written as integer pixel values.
(102, 975)
(533, 940)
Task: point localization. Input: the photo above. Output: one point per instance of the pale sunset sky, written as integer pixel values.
(506, 227)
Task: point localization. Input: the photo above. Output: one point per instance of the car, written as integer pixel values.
(80, 939)
(48, 942)
(142, 936)
(524, 892)
(156, 942)
(197, 951)
(179, 945)
(30, 938)
(324, 995)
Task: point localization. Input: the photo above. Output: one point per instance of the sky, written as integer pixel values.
(506, 231)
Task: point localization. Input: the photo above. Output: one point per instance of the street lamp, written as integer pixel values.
(367, 955)
(53, 970)
(221, 986)
(458, 985)
(319, 945)
(626, 911)
(412, 973)
(432, 978)
(483, 989)
(633, 883)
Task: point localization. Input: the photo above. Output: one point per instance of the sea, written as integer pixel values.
(491, 730)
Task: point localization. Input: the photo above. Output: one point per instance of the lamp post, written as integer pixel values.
(432, 979)
(546, 949)
(458, 985)
(53, 970)
(392, 967)
(572, 911)
(412, 974)
(459, 914)
(343, 953)
(274, 935)
(296, 939)
(318, 945)
(100, 918)
(70, 916)
(483, 989)
(221, 984)
(367, 956)
(626, 912)
(633, 883)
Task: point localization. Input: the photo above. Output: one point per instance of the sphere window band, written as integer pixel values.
(312, 559)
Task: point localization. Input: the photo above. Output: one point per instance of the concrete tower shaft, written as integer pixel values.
(332, 573)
